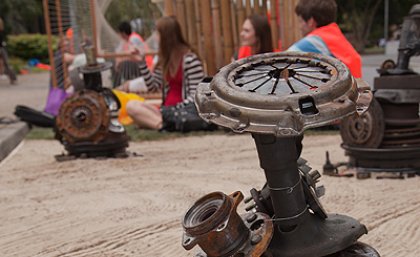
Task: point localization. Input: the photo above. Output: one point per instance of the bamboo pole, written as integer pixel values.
(257, 8)
(217, 32)
(197, 9)
(180, 16)
(50, 44)
(281, 7)
(208, 42)
(273, 22)
(61, 34)
(241, 14)
(227, 32)
(234, 23)
(93, 20)
(248, 8)
(191, 26)
(264, 7)
(169, 8)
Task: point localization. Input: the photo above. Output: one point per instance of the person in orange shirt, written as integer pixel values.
(322, 34)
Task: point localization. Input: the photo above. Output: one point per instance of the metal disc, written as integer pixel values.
(365, 130)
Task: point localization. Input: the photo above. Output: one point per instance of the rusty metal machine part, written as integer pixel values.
(87, 123)
(387, 137)
(275, 97)
(213, 223)
(364, 130)
(281, 94)
(83, 116)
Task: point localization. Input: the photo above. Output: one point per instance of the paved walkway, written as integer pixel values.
(31, 90)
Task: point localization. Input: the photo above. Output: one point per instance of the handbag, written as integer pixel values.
(183, 118)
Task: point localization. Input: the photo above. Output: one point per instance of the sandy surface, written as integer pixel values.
(133, 207)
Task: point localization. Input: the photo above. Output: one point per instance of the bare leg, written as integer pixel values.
(144, 115)
(7, 68)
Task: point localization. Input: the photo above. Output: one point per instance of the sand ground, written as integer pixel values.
(133, 207)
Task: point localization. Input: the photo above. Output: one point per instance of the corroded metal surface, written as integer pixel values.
(83, 116)
(281, 94)
(364, 130)
(275, 97)
(213, 224)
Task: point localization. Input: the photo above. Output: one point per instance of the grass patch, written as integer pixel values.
(138, 135)
(374, 50)
(40, 133)
(37, 133)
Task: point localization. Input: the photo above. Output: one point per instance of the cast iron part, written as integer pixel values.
(87, 123)
(387, 137)
(213, 223)
(275, 97)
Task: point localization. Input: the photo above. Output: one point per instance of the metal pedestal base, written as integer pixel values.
(315, 237)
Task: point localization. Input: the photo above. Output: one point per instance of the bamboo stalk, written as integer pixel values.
(50, 44)
(208, 42)
(248, 8)
(227, 32)
(241, 14)
(264, 7)
(197, 9)
(180, 16)
(217, 32)
(169, 8)
(257, 8)
(61, 35)
(234, 23)
(273, 24)
(93, 20)
(191, 26)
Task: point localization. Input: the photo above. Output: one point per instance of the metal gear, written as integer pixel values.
(83, 116)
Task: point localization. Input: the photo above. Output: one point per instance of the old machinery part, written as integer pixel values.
(281, 94)
(213, 224)
(384, 159)
(83, 116)
(364, 130)
(387, 137)
(409, 43)
(87, 123)
(277, 96)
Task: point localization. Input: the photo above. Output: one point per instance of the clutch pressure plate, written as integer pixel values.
(281, 93)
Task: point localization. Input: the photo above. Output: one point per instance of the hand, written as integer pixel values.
(136, 55)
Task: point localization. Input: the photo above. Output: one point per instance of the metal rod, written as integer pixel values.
(50, 46)
(278, 157)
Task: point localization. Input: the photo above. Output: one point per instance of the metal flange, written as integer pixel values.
(281, 94)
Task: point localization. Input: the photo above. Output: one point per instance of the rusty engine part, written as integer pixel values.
(213, 223)
(277, 96)
(387, 137)
(87, 122)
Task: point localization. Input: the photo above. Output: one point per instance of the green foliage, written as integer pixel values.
(364, 19)
(27, 46)
(21, 16)
(127, 10)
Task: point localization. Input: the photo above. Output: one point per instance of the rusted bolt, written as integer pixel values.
(235, 112)
(255, 239)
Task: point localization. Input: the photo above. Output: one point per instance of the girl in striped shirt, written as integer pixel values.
(178, 68)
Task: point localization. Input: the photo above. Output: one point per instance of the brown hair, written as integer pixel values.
(323, 12)
(262, 33)
(171, 42)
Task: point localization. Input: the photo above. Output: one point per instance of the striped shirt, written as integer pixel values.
(193, 74)
(311, 44)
